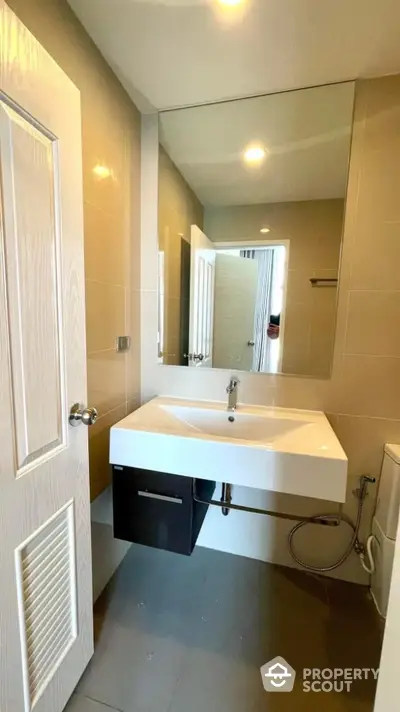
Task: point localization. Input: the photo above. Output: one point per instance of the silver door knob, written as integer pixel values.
(251, 343)
(79, 414)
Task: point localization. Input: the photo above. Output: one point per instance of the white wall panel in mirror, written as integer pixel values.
(264, 181)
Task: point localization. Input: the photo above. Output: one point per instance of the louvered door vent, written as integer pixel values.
(47, 601)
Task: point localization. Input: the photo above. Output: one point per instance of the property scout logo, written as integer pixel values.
(279, 676)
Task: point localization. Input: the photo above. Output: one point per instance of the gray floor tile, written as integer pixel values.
(78, 703)
(133, 670)
(175, 634)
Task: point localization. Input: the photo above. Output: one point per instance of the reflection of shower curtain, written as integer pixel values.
(265, 259)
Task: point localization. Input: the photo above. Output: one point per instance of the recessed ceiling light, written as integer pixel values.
(264, 229)
(255, 154)
(230, 2)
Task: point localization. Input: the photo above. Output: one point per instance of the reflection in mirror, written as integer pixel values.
(251, 206)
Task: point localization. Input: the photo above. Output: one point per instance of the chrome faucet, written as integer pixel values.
(232, 391)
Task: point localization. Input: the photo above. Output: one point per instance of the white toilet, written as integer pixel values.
(384, 526)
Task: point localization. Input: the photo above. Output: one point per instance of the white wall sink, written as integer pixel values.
(277, 449)
(240, 425)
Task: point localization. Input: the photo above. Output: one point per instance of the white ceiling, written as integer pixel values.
(306, 133)
(177, 52)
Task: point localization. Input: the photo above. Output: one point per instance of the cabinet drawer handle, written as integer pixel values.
(163, 497)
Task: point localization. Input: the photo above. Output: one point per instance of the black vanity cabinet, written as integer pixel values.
(158, 509)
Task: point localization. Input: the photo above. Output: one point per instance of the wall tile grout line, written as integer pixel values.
(105, 284)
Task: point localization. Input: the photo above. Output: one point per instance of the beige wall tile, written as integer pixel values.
(296, 346)
(383, 112)
(103, 136)
(105, 192)
(299, 288)
(373, 320)
(322, 338)
(328, 249)
(294, 392)
(369, 386)
(132, 198)
(379, 188)
(323, 310)
(341, 328)
(106, 246)
(378, 245)
(106, 380)
(105, 315)
(363, 440)
(304, 250)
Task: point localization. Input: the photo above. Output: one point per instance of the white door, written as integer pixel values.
(45, 554)
(235, 302)
(202, 269)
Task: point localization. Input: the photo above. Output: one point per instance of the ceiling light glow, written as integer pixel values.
(101, 171)
(264, 230)
(232, 3)
(254, 154)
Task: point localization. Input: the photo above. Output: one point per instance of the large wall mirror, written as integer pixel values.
(251, 208)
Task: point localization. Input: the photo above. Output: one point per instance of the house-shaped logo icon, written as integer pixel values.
(278, 676)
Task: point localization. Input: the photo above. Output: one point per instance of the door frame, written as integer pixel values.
(259, 245)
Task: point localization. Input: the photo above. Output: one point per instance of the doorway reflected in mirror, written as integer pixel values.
(250, 294)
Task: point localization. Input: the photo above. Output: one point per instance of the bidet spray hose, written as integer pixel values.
(370, 566)
(353, 542)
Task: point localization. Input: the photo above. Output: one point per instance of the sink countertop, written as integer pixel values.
(302, 456)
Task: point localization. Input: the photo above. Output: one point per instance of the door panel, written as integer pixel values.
(31, 232)
(202, 269)
(45, 555)
(235, 302)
